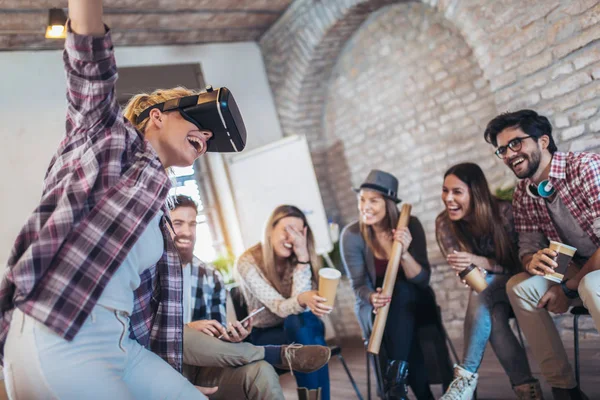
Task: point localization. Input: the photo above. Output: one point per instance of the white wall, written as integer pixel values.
(32, 111)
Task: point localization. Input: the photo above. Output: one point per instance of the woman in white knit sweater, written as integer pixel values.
(280, 274)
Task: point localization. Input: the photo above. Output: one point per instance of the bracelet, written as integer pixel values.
(571, 294)
(303, 262)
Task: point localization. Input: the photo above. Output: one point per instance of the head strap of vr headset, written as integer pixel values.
(169, 105)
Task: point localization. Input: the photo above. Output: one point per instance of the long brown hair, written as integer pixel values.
(268, 254)
(485, 219)
(389, 223)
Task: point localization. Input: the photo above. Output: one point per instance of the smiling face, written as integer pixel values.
(281, 240)
(525, 162)
(371, 206)
(456, 197)
(184, 223)
(177, 141)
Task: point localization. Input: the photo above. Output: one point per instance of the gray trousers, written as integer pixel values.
(238, 369)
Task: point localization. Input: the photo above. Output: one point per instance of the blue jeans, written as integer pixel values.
(487, 319)
(305, 328)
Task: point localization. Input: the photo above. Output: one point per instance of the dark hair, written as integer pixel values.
(183, 201)
(486, 219)
(528, 121)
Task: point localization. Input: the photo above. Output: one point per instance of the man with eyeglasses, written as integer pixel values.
(556, 199)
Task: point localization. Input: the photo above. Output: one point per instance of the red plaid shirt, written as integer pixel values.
(102, 188)
(576, 178)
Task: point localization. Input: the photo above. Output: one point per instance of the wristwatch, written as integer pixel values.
(572, 294)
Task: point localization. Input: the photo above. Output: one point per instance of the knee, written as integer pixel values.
(293, 322)
(589, 286)
(260, 374)
(304, 328)
(517, 286)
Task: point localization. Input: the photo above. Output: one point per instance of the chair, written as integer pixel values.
(241, 311)
(577, 312)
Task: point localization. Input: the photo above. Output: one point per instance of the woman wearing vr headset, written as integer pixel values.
(72, 326)
(477, 229)
(281, 274)
(366, 246)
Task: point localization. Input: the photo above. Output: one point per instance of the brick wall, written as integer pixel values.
(408, 87)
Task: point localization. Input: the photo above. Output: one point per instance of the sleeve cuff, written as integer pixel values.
(420, 279)
(88, 48)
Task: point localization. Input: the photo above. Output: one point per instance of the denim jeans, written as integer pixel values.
(487, 319)
(100, 363)
(305, 328)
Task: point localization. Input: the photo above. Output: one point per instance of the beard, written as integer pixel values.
(533, 163)
(185, 254)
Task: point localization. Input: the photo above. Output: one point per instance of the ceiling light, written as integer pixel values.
(56, 24)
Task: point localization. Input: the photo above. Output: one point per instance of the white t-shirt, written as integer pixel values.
(145, 253)
(187, 293)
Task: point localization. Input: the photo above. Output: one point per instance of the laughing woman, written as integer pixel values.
(366, 247)
(99, 233)
(477, 228)
(280, 273)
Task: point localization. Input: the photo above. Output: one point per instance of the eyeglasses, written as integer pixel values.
(514, 145)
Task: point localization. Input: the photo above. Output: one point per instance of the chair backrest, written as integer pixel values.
(239, 303)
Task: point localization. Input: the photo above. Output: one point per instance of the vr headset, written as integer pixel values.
(213, 110)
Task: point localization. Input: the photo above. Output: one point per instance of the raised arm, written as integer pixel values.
(86, 17)
(91, 72)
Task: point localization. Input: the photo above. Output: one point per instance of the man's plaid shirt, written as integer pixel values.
(209, 296)
(102, 188)
(576, 178)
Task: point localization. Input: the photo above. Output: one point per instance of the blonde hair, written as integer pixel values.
(268, 254)
(142, 101)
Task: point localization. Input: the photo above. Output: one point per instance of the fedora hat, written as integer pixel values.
(381, 182)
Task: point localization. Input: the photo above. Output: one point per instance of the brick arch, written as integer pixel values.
(300, 51)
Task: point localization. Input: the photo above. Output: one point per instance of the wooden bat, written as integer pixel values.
(388, 284)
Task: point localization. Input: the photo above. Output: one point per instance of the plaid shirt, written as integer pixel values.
(102, 188)
(576, 178)
(209, 297)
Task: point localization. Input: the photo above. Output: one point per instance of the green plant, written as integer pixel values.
(224, 264)
(505, 193)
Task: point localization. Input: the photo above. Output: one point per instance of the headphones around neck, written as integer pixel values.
(544, 189)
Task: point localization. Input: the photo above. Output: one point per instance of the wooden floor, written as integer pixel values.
(493, 383)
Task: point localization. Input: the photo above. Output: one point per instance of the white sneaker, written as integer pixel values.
(463, 386)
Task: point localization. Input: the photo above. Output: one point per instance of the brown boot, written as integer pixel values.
(312, 394)
(305, 359)
(529, 391)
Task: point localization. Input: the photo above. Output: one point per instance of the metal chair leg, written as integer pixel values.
(350, 377)
(576, 339)
(379, 374)
(520, 334)
(368, 376)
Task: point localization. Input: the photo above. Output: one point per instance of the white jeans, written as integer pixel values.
(589, 290)
(100, 363)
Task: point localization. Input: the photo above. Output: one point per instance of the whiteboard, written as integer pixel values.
(278, 173)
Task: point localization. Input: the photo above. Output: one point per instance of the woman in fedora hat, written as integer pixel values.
(366, 247)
